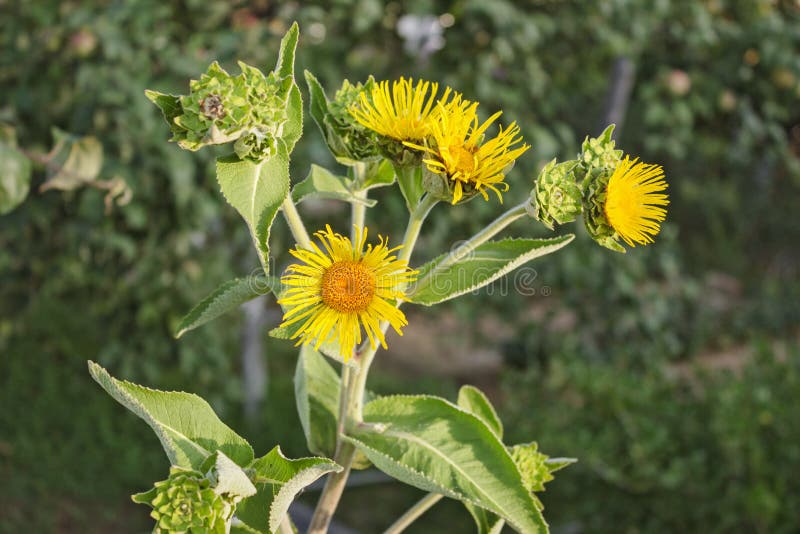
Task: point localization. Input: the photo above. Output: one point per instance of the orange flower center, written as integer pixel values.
(462, 160)
(348, 286)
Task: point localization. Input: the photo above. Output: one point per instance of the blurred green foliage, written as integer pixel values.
(715, 99)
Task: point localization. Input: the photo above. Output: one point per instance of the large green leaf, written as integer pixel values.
(293, 129)
(225, 298)
(475, 402)
(432, 444)
(257, 191)
(322, 183)
(279, 480)
(440, 280)
(316, 392)
(15, 177)
(188, 428)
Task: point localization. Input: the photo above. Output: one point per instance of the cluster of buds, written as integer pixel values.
(186, 502)
(248, 109)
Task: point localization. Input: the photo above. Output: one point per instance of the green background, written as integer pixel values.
(671, 372)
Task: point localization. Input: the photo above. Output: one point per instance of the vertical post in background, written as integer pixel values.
(622, 78)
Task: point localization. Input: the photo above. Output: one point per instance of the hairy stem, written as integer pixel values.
(295, 223)
(351, 401)
(413, 513)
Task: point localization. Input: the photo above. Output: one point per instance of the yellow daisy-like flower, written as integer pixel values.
(634, 201)
(402, 113)
(339, 290)
(459, 151)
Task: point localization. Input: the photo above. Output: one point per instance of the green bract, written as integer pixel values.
(599, 152)
(536, 468)
(249, 109)
(186, 502)
(595, 190)
(556, 197)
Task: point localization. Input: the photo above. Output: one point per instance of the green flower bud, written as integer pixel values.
(345, 136)
(532, 466)
(557, 198)
(186, 502)
(221, 108)
(599, 152)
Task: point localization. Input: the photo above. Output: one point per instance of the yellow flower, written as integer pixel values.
(340, 288)
(460, 153)
(634, 200)
(404, 113)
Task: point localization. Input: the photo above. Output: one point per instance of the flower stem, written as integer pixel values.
(413, 513)
(351, 401)
(491, 230)
(295, 223)
(415, 221)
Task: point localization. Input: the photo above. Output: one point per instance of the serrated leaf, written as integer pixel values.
(77, 160)
(187, 427)
(432, 444)
(322, 183)
(439, 281)
(228, 477)
(225, 298)
(475, 402)
(279, 480)
(15, 177)
(257, 191)
(293, 129)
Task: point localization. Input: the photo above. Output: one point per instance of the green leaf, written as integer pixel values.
(77, 160)
(15, 177)
(293, 129)
(279, 480)
(225, 298)
(322, 183)
(316, 391)
(256, 190)
(485, 521)
(439, 281)
(409, 178)
(432, 444)
(379, 174)
(170, 106)
(475, 402)
(228, 478)
(188, 428)
(318, 101)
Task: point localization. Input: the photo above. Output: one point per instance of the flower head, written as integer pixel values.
(459, 153)
(634, 201)
(628, 203)
(341, 288)
(403, 113)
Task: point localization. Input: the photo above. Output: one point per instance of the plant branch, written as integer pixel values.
(413, 513)
(295, 223)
